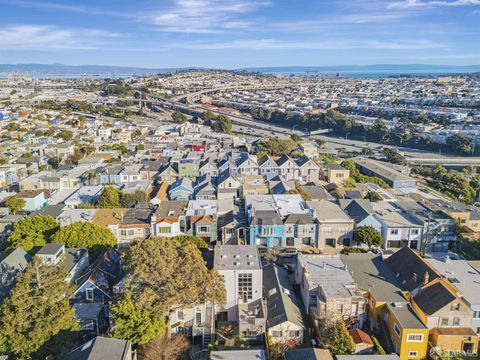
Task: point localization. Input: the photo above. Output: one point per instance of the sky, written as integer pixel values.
(240, 33)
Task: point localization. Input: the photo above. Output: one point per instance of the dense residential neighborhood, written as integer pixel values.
(141, 220)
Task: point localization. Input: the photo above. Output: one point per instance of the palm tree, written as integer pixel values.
(92, 176)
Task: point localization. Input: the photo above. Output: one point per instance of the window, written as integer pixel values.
(455, 307)
(326, 230)
(89, 294)
(198, 317)
(204, 229)
(478, 330)
(412, 354)
(249, 334)
(396, 329)
(476, 314)
(245, 288)
(456, 321)
(164, 229)
(415, 232)
(340, 308)
(276, 333)
(415, 338)
(180, 315)
(294, 333)
(394, 232)
(444, 322)
(267, 231)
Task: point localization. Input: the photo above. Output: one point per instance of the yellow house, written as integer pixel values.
(408, 333)
(447, 316)
(388, 306)
(254, 185)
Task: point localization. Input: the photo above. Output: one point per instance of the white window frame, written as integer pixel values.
(89, 294)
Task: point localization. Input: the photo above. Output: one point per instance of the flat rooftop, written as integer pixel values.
(236, 257)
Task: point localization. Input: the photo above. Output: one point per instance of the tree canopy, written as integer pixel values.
(167, 273)
(130, 200)
(85, 235)
(368, 235)
(275, 147)
(186, 239)
(461, 144)
(37, 313)
(109, 198)
(178, 117)
(135, 322)
(166, 348)
(15, 204)
(336, 338)
(222, 123)
(32, 232)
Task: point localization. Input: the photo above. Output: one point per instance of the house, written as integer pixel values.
(34, 199)
(410, 270)
(91, 319)
(309, 171)
(335, 174)
(300, 230)
(73, 260)
(189, 168)
(95, 284)
(205, 189)
(228, 185)
(399, 229)
(208, 167)
(247, 165)
(266, 228)
(285, 314)
(387, 307)
(328, 291)
(288, 169)
(357, 209)
(335, 228)
(309, 149)
(241, 269)
(448, 317)
(102, 348)
(438, 226)
(10, 265)
(316, 192)
(196, 321)
(253, 185)
(363, 342)
(181, 189)
(84, 195)
(464, 278)
(369, 357)
(168, 174)
(467, 215)
(169, 219)
(392, 177)
(134, 226)
(202, 226)
(268, 167)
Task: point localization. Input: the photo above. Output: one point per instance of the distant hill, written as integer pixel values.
(47, 70)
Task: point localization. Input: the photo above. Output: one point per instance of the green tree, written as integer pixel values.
(368, 235)
(336, 338)
(276, 147)
(374, 196)
(178, 117)
(461, 144)
(15, 204)
(223, 124)
(37, 313)
(184, 239)
(167, 273)
(85, 235)
(110, 198)
(135, 322)
(295, 137)
(130, 200)
(393, 156)
(65, 135)
(32, 232)
(208, 118)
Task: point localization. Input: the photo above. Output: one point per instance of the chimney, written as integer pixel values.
(426, 278)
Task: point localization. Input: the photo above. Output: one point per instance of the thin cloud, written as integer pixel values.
(206, 16)
(412, 4)
(49, 37)
(273, 44)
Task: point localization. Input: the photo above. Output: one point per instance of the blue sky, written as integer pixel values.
(240, 33)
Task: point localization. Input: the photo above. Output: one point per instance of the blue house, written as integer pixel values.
(181, 189)
(111, 175)
(266, 228)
